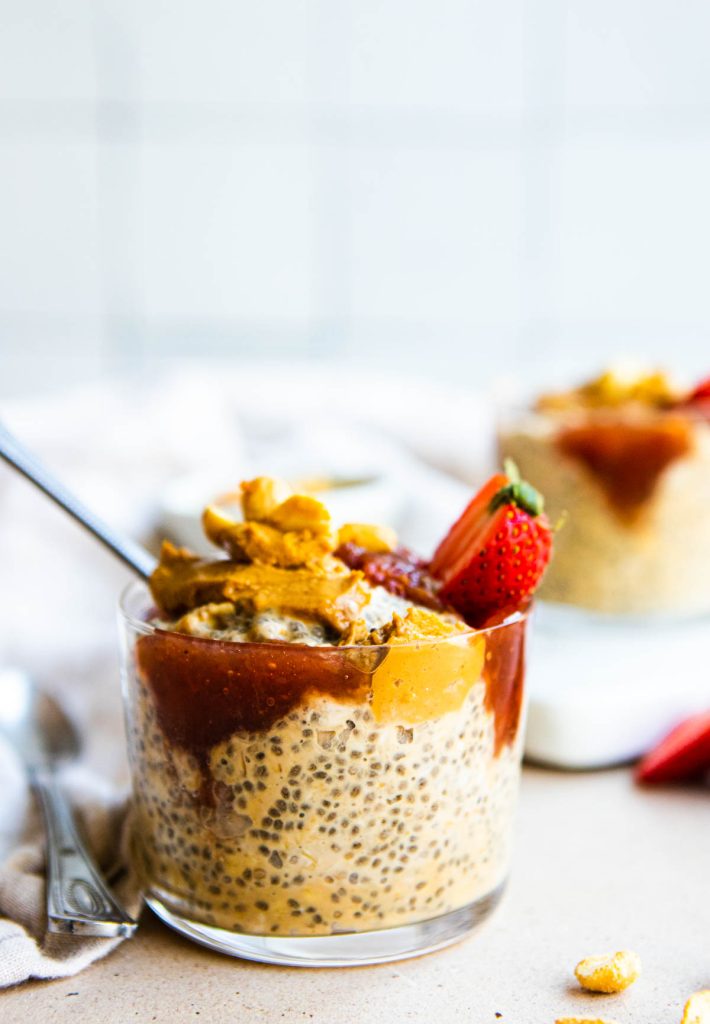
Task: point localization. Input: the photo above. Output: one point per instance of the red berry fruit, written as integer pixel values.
(683, 754)
(494, 557)
(701, 393)
(697, 401)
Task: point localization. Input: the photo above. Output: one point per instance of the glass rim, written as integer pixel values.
(135, 587)
(630, 412)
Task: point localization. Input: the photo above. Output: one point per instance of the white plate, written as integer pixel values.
(604, 690)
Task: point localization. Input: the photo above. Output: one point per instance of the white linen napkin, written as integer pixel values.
(27, 950)
(118, 444)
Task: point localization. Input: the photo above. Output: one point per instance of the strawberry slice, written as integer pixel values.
(458, 540)
(698, 400)
(495, 554)
(701, 393)
(683, 754)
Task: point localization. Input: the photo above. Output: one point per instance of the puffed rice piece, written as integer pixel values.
(697, 1009)
(612, 972)
(261, 496)
(584, 1020)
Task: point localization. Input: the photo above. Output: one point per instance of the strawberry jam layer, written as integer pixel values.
(205, 691)
(627, 458)
(504, 673)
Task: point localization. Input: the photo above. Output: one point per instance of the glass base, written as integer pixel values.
(348, 950)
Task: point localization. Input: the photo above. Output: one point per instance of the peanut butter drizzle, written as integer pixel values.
(627, 458)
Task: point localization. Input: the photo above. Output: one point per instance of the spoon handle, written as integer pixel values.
(133, 555)
(78, 900)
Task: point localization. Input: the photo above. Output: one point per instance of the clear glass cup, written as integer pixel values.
(621, 479)
(322, 805)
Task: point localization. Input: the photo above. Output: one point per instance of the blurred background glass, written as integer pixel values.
(467, 190)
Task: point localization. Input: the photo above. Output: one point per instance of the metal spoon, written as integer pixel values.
(78, 899)
(131, 554)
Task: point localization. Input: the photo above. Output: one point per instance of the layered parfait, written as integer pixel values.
(324, 729)
(626, 459)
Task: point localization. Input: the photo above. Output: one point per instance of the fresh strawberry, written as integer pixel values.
(701, 393)
(683, 754)
(458, 540)
(495, 554)
(697, 400)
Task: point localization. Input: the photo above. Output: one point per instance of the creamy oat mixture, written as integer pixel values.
(330, 822)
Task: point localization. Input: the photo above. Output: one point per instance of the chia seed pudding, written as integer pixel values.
(342, 765)
(625, 463)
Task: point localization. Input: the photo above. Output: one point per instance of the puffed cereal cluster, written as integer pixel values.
(614, 972)
(697, 1009)
(585, 1020)
(608, 973)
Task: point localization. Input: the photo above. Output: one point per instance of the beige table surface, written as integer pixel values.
(599, 865)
